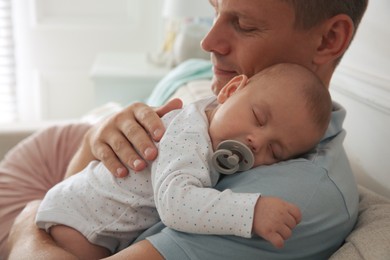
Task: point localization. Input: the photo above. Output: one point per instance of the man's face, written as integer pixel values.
(250, 35)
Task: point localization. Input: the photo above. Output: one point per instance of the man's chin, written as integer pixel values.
(217, 85)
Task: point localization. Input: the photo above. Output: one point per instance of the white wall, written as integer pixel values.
(57, 42)
(362, 85)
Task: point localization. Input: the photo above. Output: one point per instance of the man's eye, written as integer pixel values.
(246, 30)
(242, 28)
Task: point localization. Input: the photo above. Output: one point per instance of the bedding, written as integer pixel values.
(194, 69)
(370, 238)
(30, 169)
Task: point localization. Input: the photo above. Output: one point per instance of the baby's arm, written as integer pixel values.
(274, 219)
(186, 202)
(182, 181)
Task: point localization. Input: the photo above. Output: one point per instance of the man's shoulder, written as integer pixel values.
(325, 170)
(321, 184)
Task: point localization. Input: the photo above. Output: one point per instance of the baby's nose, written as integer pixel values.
(255, 144)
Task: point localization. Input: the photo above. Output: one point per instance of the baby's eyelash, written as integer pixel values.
(260, 119)
(257, 119)
(272, 152)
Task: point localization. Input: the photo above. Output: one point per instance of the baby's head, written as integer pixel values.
(280, 113)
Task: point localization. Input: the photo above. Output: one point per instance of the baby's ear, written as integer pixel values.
(235, 84)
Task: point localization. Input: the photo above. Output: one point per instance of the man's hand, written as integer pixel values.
(274, 220)
(127, 137)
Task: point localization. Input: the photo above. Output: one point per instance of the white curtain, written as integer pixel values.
(8, 110)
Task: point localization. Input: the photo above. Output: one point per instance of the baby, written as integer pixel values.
(275, 115)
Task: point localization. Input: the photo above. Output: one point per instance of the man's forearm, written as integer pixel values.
(38, 246)
(80, 160)
(26, 240)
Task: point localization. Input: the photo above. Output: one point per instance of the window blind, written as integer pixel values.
(8, 106)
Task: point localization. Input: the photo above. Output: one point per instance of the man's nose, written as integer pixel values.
(215, 40)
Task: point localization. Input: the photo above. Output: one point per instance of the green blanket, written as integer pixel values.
(187, 71)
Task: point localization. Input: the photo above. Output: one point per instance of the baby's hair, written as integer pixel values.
(315, 94)
(318, 102)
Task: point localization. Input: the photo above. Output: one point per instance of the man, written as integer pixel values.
(247, 36)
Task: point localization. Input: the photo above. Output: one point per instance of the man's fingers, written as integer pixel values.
(169, 106)
(136, 136)
(105, 154)
(123, 139)
(127, 137)
(149, 120)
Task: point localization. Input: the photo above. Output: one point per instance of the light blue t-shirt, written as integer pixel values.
(321, 184)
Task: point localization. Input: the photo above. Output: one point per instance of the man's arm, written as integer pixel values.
(138, 251)
(81, 159)
(26, 239)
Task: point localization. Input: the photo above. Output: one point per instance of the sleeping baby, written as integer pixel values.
(271, 117)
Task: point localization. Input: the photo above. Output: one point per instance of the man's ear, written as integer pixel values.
(235, 84)
(337, 34)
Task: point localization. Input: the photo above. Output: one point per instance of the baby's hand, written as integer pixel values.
(274, 219)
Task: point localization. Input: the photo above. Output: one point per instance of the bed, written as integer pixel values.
(369, 240)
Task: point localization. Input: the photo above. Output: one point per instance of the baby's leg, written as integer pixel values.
(74, 242)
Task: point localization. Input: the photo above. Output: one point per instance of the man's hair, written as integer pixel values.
(318, 102)
(310, 13)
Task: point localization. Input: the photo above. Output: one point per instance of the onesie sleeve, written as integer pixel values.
(182, 181)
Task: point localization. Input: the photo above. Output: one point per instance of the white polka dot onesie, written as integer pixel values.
(112, 212)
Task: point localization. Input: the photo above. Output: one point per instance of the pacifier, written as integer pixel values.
(232, 156)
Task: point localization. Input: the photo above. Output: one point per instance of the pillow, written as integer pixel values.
(370, 238)
(32, 167)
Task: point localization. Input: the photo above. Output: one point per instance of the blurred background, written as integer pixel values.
(57, 57)
(60, 59)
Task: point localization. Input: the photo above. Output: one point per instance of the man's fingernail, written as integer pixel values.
(120, 172)
(137, 163)
(157, 133)
(148, 152)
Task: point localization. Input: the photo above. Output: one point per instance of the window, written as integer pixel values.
(8, 111)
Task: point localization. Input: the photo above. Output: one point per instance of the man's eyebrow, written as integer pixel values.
(250, 18)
